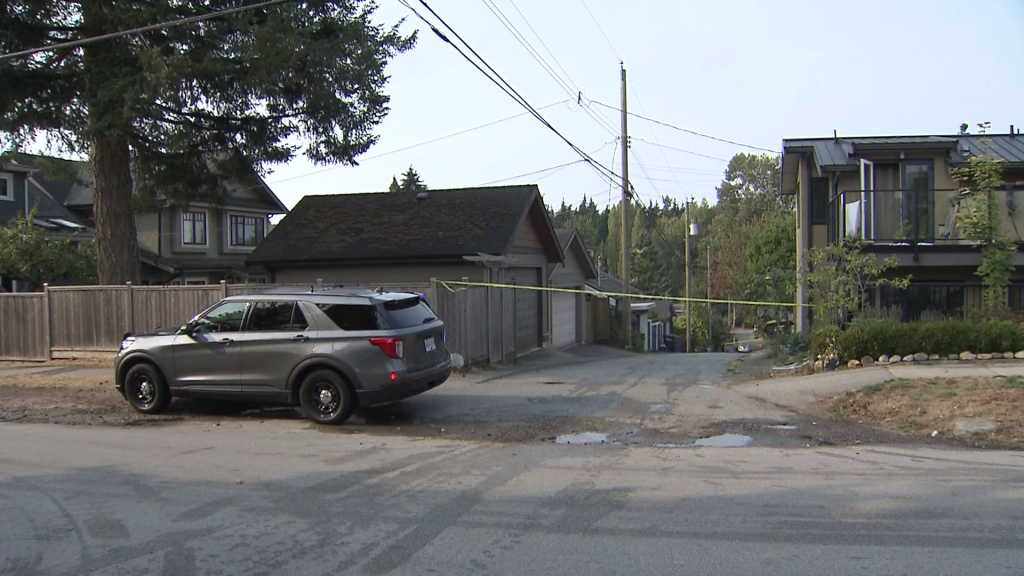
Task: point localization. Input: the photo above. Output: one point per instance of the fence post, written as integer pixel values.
(223, 289)
(129, 306)
(46, 317)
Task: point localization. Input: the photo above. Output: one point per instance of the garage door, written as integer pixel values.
(563, 313)
(527, 308)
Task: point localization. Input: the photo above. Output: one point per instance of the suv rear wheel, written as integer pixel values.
(145, 389)
(326, 398)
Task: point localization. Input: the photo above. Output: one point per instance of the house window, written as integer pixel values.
(246, 230)
(6, 187)
(819, 200)
(193, 228)
(938, 300)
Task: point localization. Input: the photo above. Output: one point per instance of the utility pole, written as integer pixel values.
(710, 323)
(689, 318)
(627, 313)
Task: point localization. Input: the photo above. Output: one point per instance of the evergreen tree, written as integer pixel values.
(394, 185)
(411, 181)
(177, 110)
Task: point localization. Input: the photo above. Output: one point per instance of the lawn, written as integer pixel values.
(924, 407)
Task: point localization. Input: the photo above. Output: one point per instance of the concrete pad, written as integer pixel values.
(802, 392)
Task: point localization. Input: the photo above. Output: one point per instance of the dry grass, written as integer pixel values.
(921, 407)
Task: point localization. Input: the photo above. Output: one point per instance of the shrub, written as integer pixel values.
(997, 336)
(906, 339)
(947, 337)
(720, 331)
(820, 340)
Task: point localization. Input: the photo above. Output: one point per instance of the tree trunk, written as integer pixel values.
(117, 245)
(108, 66)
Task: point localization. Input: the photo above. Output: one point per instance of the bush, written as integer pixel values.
(947, 337)
(997, 336)
(720, 331)
(906, 339)
(820, 340)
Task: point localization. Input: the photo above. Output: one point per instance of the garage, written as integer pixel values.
(527, 312)
(563, 318)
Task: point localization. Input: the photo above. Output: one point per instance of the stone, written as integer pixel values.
(1007, 355)
(971, 426)
(867, 361)
(997, 356)
(953, 357)
(853, 363)
(984, 356)
(967, 356)
(921, 357)
(934, 357)
(1019, 355)
(909, 358)
(883, 359)
(818, 366)
(895, 359)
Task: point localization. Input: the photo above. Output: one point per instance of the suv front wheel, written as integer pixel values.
(145, 389)
(326, 398)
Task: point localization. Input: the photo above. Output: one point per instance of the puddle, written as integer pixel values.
(670, 445)
(658, 408)
(706, 386)
(725, 441)
(582, 438)
(781, 427)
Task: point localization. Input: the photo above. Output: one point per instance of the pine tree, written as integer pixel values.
(394, 185)
(411, 181)
(179, 110)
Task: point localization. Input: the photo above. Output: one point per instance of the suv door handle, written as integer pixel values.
(226, 341)
(300, 337)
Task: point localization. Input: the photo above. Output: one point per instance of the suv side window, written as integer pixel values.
(276, 317)
(226, 317)
(353, 317)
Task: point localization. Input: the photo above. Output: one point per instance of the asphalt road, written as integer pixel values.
(279, 497)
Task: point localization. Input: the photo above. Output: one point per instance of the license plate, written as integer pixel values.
(429, 344)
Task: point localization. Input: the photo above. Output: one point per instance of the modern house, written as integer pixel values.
(898, 194)
(200, 243)
(499, 235)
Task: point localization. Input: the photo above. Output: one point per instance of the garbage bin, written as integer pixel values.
(670, 342)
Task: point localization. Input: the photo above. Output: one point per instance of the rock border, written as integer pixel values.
(827, 364)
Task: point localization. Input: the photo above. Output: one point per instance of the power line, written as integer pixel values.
(502, 84)
(678, 149)
(139, 30)
(551, 169)
(610, 45)
(569, 86)
(411, 146)
(688, 131)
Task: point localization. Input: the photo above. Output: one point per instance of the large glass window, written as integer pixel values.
(193, 228)
(246, 230)
(353, 317)
(6, 187)
(407, 313)
(819, 200)
(918, 199)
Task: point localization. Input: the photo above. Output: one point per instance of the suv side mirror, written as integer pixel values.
(188, 328)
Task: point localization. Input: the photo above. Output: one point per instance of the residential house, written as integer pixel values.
(898, 194)
(496, 235)
(569, 317)
(19, 196)
(200, 243)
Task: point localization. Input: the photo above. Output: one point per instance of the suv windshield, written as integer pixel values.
(407, 313)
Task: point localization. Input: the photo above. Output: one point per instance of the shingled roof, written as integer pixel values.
(445, 225)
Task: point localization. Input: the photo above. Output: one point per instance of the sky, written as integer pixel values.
(750, 71)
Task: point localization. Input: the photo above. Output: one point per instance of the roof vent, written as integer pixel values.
(422, 195)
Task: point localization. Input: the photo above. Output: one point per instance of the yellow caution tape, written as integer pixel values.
(447, 284)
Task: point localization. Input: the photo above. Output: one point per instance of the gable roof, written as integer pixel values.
(837, 154)
(447, 224)
(50, 214)
(77, 191)
(570, 239)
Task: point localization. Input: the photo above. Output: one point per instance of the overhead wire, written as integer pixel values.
(502, 84)
(679, 149)
(592, 17)
(417, 145)
(141, 29)
(568, 85)
(551, 169)
(688, 131)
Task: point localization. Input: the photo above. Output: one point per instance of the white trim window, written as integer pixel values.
(246, 231)
(7, 187)
(193, 228)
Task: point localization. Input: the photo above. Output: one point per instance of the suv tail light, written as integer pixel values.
(393, 347)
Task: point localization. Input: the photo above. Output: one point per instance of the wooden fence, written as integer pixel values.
(69, 321)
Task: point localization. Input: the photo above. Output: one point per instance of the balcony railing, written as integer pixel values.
(907, 216)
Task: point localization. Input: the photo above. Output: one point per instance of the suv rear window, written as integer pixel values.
(407, 313)
(353, 317)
